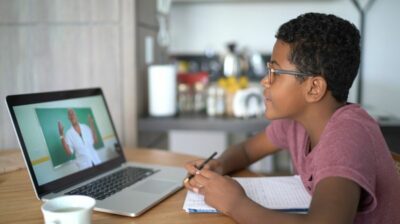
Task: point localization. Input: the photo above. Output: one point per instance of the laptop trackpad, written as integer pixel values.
(154, 186)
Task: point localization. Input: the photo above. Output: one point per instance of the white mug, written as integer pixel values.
(68, 209)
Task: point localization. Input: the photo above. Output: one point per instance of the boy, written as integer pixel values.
(336, 147)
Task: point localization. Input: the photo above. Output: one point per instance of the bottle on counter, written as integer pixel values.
(220, 102)
(211, 101)
(191, 92)
(184, 98)
(199, 97)
(231, 62)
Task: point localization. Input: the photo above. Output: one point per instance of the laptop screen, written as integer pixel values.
(64, 136)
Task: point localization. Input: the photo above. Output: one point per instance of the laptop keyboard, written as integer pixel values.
(111, 184)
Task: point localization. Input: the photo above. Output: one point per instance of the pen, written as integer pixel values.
(201, 166)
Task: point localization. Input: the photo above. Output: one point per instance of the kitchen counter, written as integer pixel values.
(202, 122)
(390, 126)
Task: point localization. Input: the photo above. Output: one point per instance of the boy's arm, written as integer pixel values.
(335, 200)
(234, 158)
(240, 156)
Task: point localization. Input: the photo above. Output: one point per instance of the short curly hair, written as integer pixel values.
(324, 45)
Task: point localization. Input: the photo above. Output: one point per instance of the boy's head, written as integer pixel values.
(324, 45)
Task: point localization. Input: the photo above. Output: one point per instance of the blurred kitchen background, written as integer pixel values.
(182, 75)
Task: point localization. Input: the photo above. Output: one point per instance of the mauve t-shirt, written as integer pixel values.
(351, 146)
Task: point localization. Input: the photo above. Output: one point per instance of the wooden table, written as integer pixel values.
(18, 203)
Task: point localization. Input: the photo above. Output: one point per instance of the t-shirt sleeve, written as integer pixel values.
(351, 158)
(276, 132)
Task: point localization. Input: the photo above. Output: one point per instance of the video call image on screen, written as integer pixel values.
(66, 136)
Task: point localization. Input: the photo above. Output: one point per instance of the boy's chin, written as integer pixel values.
(268, 115)
(271, 116)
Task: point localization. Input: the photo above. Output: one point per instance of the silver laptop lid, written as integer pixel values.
(53, 128)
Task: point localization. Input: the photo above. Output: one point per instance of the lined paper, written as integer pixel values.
(285, 193)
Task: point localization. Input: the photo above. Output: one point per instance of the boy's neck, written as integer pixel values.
(316, 117)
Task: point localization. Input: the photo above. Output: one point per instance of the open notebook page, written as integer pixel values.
(278, 193)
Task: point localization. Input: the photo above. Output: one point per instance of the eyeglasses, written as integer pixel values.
(271, 73)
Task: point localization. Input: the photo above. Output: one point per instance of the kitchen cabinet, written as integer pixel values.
(148, 51)
(147, 13)
(141, 94)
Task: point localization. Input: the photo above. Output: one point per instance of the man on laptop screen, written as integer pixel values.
(70, 146)
(81, 139)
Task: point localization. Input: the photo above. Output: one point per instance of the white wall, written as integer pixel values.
(381, 67)
(197, 26)
(54, 45)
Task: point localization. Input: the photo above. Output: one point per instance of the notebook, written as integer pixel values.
(70, 146)
(285, 193)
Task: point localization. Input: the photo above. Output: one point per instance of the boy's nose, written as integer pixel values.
(265, 82)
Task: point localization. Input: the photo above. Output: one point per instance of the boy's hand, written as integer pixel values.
(220, 192)
(191, 167)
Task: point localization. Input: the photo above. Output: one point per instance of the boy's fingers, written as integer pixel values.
(190, 168)
(201, 191)
(200, 180)
(207, 167)
(187, 184)
(209, 174)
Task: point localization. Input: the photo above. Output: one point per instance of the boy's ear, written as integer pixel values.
(316, 89)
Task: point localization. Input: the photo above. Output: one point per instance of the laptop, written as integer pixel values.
(70, 146)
